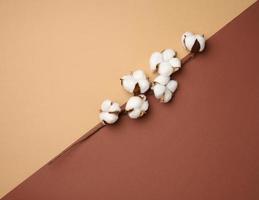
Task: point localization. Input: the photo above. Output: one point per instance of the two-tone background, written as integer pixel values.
(60, 59)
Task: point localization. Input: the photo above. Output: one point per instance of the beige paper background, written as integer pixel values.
(60, 59)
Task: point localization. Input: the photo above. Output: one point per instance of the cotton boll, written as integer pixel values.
(168, 54)
(165, 62)
(133, 102)
(136, 106)
(155, 59)
(109, 112)
(165, 69)
(162, 79)
(108, 118)
(193, 43)
(163, 90)
(136, 82)
(172, 85)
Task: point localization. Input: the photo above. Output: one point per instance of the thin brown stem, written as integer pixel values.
(81, 139)
(187, 58)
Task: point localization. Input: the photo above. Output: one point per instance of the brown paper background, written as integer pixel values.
(60, 59)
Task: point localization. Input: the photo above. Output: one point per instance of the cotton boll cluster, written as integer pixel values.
(165, 62)
(193, 42)
(109, 112)
(136, 82)
(137, 106)
(164, 88)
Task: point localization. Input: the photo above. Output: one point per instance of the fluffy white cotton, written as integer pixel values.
(134, 114)
(139, 75)
(163, 80)
(164, 88)
(128, 83)
(167, 96)
(165, 63)
(185, 35)
(109, 112)
(168, 54)
(201, 40)
(144, 85)
(175, 63)
(136, 82)
(188, 40)
(172, 85)
(165, 69)
(155, 59)
(108, 118)
(144, 106)
(133, 102)
(159, 90)
(193, 42)
(114, 108)
(137, 106)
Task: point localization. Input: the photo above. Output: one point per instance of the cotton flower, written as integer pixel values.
(136, 82)
(165, 62)
(109, 112)
(193, 42)
(137, 106)
(164, 88)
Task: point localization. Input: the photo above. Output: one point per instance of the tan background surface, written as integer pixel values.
(60, 59)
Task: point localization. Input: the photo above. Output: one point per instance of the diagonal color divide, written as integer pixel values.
(203, 145)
